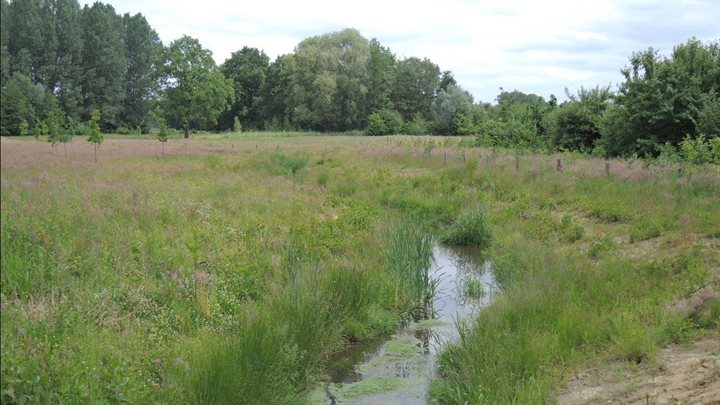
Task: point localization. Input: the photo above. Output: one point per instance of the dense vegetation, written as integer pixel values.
(229, 271)
(61, 62)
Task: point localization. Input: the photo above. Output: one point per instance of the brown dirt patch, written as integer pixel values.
(682, 375)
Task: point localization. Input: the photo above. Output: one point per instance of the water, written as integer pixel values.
(398, 369)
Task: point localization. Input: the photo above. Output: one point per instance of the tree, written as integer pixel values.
(661, 99)
(33, 41)
(414, 88)
(329, 81)
(67, 77)
(247, 69)
(575, 124)
(54, 123)
(95, 137)
(142, 52)
(17, 105)
(162, 134)
(4, 40)
(448, 104)
(272, 103)
(381, 71)
(196, 92)
(105, 64)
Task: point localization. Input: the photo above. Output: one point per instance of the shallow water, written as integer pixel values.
(398, 369)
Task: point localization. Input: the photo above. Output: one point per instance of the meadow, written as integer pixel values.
(233, 268)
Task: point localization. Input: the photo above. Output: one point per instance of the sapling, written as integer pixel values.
(95, 137)
(162, 134)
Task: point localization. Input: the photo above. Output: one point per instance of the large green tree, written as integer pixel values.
(661, 99)
(32, 40)
(381, 71)
(104, 63)
(247, 69)
(142, 52)
(274, 96)
(415, 85)
(329, 81)
(66, 81)
(4, 40)
(196, 92)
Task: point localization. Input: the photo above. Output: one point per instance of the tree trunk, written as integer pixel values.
(65, 150)
(163, 150)
(187, 131)
(95, 145)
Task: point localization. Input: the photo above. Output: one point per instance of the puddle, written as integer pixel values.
(398, 369)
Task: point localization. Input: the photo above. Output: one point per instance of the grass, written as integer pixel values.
(244, 262)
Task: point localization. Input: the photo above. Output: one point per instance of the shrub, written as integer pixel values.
(695, 150)
(417, 126)
(393, 121)
(471, 229)
(376, 125)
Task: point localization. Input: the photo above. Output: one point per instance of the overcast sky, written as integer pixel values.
(533, 46)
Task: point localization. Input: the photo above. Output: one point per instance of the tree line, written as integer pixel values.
(61, 62)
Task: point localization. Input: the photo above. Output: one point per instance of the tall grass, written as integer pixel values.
(407, 254)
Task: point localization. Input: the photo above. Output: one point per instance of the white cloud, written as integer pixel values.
(532, 46)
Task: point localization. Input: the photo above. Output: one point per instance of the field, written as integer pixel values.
(232, 268)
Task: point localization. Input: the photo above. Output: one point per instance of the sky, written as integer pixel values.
(539, 47)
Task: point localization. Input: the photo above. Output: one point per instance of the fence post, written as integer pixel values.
(517, 163)
(445, 158)
(607, 168)
(559, 166)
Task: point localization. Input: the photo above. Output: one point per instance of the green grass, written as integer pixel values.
(232, 274)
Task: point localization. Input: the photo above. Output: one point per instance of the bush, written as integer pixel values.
(417, 126)
(471, 229)
(393, 121)
(376, 125)
(123, 131)
(695, 150)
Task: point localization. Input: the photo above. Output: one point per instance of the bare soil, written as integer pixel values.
(681, 375)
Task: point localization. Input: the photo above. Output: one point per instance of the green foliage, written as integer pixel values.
(376, 125)
(237, 126)
(696, 150)
(247, 69)
(104, 64)
(470, 229)
(163, 134)
(575, 124)
(407, 256)
(329, 74)
(195, 89)
(19, 102)
(142, 50)
(284, 165)
(94, 136)
(663, 99)
(450, 103)
(414, 87)
(418, 125)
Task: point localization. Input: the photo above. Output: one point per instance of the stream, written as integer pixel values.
(398, 369)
